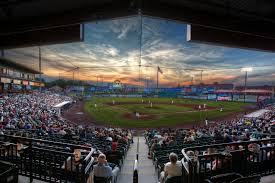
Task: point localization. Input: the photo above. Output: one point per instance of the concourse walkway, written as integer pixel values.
(146, 173)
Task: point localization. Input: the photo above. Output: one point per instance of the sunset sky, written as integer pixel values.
(111, 50)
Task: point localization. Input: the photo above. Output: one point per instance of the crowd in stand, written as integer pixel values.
(232, 131)
(30, 111)
(34, 116)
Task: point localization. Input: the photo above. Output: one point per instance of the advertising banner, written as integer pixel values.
(25, 82)
(212, 96)
(194, 89)
(192, 97)
(261, 98)
(16, 87)
(93, 88)
(187, 89)
(238, 98)
(204, 90)
(17, 82)
(203, 97)
(251, 98)
(199, 90)
(210, 89)
(5, 80)
(224, 97)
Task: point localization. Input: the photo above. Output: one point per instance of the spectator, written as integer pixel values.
(73, 163)
(102, 169)
(172, 168)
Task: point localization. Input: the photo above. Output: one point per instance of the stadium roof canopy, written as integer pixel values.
(247, 19)
(9, 64)
(257, 113)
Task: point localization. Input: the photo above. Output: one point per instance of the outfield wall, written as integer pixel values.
(218, 97)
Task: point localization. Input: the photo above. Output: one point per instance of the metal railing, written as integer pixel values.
(46, 160)
(135, 171)
(8, 173)
(251, 157)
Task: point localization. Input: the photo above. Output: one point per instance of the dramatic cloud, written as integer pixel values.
(127, 50)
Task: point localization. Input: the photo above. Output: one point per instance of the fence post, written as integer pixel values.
(30, 157)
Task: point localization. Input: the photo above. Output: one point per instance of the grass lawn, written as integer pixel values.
(163, 112)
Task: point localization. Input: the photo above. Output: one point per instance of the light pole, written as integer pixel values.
(40, 75)
(246, 70)
(96, 80)
(192, 78)
(147, 81)
(273, 87)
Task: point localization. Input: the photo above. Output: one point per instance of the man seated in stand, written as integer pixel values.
(172, 168)
(102, 168)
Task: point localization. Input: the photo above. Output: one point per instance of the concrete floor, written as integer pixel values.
(23, 179)
(146, 168)
(268, 179)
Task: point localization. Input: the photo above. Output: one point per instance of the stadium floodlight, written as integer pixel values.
(246, 70)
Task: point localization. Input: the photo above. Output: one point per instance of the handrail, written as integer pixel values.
(135, 171)
(46, 141)
(10, 174)
(89, 165)
(9, 164)
(223, 144)
(191, 170)
(37, 153)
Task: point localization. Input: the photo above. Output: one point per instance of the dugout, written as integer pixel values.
(62, 106)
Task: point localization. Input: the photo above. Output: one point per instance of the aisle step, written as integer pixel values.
(147, 173)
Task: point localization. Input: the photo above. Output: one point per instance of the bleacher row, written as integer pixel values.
(47, 157)
(160, 155)
(228, 162)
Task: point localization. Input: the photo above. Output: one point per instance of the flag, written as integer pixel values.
(159, 70)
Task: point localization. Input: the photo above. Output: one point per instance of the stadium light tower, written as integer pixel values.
(246, 70)
(39, 59)
(147, 81)
(192, 78)
(96, 79)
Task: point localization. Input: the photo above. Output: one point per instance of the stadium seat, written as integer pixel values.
(176, 179)
(223, 178)
(102, 179)
(250, 179)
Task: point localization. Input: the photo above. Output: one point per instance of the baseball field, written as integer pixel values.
(158, 112)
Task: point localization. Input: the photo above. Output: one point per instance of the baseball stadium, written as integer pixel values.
(137, 91)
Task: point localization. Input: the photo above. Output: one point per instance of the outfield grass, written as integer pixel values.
(164, 114)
